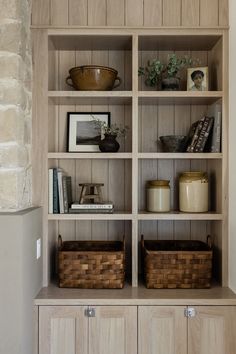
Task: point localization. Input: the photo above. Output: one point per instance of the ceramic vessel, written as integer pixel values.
(93, 77)
(158, 196)
(173, 143)
(170, 84)
(109, 143)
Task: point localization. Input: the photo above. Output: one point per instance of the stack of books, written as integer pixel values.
(59, 191)
(106, 207)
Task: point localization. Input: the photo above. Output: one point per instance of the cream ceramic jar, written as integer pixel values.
(158, 196)
(193, 192)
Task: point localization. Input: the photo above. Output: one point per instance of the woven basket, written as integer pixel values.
(91, 264)
(177, 264)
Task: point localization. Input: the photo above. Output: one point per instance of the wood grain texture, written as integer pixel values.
(97, 13)
(59, 12)
(78, 12)
(223, 12)
(152, 13)
(171, 13)
(190, 13)
(209, 13)
(41, 12)
(115, 13)
(134, 13)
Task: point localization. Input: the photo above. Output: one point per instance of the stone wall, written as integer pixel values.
(15, 105)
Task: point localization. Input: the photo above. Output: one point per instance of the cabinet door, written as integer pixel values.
(162, 330)
(63, 330)
(212, 330)
(113, 330)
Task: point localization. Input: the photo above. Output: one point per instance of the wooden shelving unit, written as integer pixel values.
(149, 114)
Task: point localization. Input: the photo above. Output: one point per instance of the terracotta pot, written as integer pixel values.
(109, 143)
(93, 77)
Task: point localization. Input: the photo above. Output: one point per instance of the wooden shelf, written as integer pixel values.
(179, 97)
(115, 216)
(92, 155)
(177, 215)
(179, 156)
(90, 97)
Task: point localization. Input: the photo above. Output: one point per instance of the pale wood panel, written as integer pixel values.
(199, 230)
(162, 330)
(152, 13)
(171, 12)
(128, 70)
(128, 185)
(212, 330)
(115, 13)
(78, 12)
(166, 230)
(209, 13)
(128, 123)
(59, 12)
(113, 330)
(149, 130)
(41, 12)
(134, 13)
(116, 60)
(223, 12)
(83, 230)
(190, 13)
(66, 62)
(63, 330)
(216, 66)
(96, 12)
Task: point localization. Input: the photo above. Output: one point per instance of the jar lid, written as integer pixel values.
(193, 176)
(158, 183)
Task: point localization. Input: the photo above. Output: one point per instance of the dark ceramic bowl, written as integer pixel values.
(173, 143)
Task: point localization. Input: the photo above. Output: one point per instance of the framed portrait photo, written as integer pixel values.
(83, 132)
(197, 79)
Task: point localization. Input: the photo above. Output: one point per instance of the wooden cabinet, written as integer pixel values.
(70, 330)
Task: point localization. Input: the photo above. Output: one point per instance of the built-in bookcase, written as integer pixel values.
(149, 114)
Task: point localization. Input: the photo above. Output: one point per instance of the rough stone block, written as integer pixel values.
(12, 66)
(13, 155)
(10, 9)
(13, 92)
(11, 39)
(11, 124)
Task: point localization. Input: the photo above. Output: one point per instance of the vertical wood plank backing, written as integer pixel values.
(83, 230)
(149, 128)
(128, 185)
(66, 62)
(171, 12)
(215, 67)
(134, 13)
(223, 12)
(115, 13)
(96, 12)
(59, 12)
(190, 13)
(209, 13)
(78, 12)
(116, 60)
(128, 70)
(152, 13)
(41, 12)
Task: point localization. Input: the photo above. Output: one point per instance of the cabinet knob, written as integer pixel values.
(189, 312)
(90, 312)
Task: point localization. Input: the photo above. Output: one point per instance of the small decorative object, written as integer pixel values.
(197, 79)
(109, 143)
(173, 143)
(175, 264)
(193, 192)
(93, 77)
(83, 132)
(158, 196)
(156, 72)
(88, 192)
(91, 264)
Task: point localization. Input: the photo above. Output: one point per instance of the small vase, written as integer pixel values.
(109, 143)
(170, 84)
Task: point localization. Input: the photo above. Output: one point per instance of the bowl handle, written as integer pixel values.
(68, 83)
(118, 84)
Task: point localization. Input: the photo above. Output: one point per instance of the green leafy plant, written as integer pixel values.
(155, 70)
(113, 129)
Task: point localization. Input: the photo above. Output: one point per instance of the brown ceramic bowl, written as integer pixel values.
(93, 77)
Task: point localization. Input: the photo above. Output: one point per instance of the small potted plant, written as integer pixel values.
(110, 133)
(156, 72)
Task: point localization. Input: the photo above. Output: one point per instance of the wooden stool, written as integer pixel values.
(91, 192)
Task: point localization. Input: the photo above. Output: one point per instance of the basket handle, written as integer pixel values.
(210, 241)
(59, 242)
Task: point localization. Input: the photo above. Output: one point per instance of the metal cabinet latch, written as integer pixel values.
(189, 312)
(89, 312)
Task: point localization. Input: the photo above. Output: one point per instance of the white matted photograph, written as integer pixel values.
(83, 132)
(197, 79)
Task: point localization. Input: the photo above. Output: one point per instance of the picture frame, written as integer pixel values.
(197, 79)
(83, 133)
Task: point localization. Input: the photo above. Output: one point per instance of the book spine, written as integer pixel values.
(60, 192)
(216, 134)
(91, 211)
(91, 206)
(55, 192)
(69, 190)
(204, 134)
(65, 194)
(50, 191)
(195, 137)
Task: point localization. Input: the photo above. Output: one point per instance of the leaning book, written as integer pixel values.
(105, 205)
